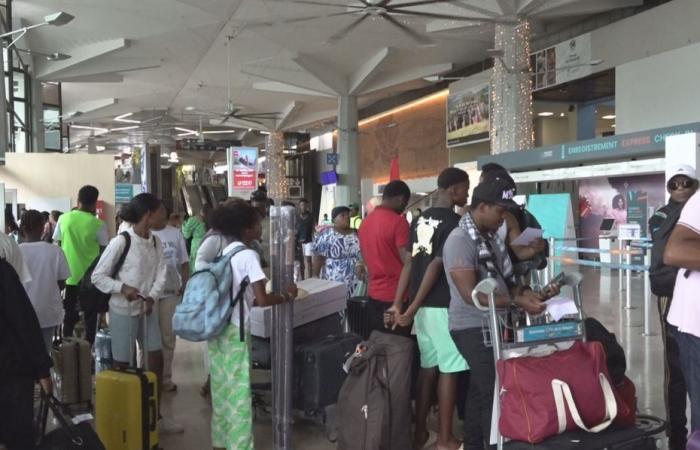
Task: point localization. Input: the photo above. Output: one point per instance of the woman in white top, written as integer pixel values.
(232, 417)
(49, 270)
(135, 289)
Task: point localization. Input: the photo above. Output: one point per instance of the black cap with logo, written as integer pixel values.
(498, 191)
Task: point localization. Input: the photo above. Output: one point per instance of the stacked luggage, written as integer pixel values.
(557, 392)
(72, 365)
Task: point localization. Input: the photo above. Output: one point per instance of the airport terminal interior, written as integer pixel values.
(350, 224)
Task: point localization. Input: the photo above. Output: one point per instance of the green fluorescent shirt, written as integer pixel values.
(78, 232)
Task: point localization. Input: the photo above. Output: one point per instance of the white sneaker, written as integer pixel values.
(167, 426)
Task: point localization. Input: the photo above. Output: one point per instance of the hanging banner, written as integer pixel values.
(564, 62)
(468, 116)
(242, 169)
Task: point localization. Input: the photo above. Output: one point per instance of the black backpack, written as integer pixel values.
(663, 277)
(527, 220)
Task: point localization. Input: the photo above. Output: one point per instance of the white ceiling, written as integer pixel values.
(157, 55)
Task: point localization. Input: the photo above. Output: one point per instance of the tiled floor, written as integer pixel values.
(602, 299)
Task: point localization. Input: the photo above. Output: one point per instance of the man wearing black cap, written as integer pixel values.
(430, 297)
(474, 252)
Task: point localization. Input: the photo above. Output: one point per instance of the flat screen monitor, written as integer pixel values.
(607, 225)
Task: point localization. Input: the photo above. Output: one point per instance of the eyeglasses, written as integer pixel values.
(678, 185)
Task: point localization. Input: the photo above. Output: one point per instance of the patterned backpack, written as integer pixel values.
(208, 302)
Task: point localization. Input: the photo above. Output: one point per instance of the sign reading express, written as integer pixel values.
(641, 144)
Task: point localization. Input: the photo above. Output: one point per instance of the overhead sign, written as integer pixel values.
(564, 62)
(123, 192)
(468, 116)
(242, 169)
(642, 144)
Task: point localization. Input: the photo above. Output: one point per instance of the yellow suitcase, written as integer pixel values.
(126, 409)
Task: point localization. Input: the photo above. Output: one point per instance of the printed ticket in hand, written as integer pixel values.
(528, 236)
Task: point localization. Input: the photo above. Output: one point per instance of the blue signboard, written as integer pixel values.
(123, 192)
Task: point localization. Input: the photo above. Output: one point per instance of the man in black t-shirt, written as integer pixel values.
(305, 235)
(430, 298)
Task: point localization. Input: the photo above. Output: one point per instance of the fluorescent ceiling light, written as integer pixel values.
(609, 117)
(100, 148)
(123, 118)
(265, 132)
(186, 130)
(545, 114)
(164, 155)
(84, 127)
(613, 125)
(189, 108)
(58, 19)
(132, 127)
(186, 134)
(219, 132)
(562, 114)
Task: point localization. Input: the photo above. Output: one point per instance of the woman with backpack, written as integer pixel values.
(135, 288)
(232, 417)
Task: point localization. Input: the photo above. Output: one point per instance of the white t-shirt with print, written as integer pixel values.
(175, 254)
(685, 308)
(47, 264)
(246, 263)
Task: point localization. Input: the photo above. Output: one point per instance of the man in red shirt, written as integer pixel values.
(384, 242)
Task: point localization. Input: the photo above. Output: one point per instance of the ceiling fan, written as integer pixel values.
(389, 10)
(232, 111)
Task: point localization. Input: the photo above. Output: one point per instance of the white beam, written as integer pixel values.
(322, 72)
(507, 6)
(99, 78)
(408, 75)
(471, 7)
(112, 66)
(288, 113)
(369, 69)
(276, 86)
(528, 7)
(93, 105)
(281, 81)
(80, 55)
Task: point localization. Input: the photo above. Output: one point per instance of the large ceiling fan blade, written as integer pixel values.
(419, 3)
(445, 16)
(298, 19)
(272, 115)
(419, 38)
(344, 31)
(312, 2)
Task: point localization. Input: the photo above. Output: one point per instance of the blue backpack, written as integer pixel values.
(208, 302)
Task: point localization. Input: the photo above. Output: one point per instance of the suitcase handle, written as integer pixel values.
(153, 415)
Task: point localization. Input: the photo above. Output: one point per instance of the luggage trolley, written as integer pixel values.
(524, 338)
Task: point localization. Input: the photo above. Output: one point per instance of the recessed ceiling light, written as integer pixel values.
(609, 117)
(613, 125)
(562, 114)
(545, 114)
(189, 108)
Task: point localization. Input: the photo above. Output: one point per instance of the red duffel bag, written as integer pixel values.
(542, 396)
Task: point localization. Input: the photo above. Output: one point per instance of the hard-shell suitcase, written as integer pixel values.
(126, 406)
(103, 350)
(126, 409)
(71, 358)
(319, 370)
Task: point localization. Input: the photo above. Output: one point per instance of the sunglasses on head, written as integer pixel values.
(680, 184)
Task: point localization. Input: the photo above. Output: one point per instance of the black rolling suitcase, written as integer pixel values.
(318, 371)
(644, 436)
(358, 316)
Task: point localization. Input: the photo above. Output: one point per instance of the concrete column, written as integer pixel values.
(585, 122)
(511, 90)
(276, 167)
(3, 115)
(37, 111)
(348, 190)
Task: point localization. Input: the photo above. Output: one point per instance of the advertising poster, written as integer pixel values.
(564, 62)
(243, 168)
(468, 116)
(625, 199)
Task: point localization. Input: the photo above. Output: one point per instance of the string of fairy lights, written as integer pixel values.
(511, 90)
(276, 166)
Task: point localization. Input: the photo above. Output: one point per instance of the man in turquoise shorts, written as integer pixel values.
(430, 299)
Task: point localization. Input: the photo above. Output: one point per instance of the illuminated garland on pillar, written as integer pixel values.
(276, 166)
(511, 90)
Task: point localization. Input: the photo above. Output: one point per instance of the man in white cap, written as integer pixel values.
(681, 183)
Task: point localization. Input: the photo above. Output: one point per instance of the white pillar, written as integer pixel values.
(348, 189)
(37, 111)
(511, 90)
